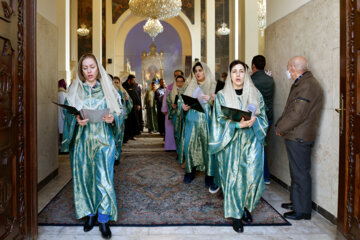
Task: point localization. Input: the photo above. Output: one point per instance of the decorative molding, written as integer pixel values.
(20, 118)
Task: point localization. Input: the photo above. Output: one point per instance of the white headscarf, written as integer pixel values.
(208, 87)
(250, 94)
(76, 93)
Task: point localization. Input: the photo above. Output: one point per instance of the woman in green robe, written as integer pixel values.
(239, 146)
(150, 106)
(128, 105)
(175, 113)
(194, 144)
(92, 145)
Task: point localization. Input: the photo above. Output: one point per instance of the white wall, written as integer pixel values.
(47, 76)
(312, 31)
(276, 9)
(47, 8)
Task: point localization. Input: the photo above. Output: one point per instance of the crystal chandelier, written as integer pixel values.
(83, 31)
(153, 27)
(155, 9)
(223, 29)
(261, 12)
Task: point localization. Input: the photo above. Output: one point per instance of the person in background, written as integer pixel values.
(238, 146)
(265, 84)
(127, 107)
(61, 100)
(170, 144)
(92, 145)
(175, 114)
(221, 82)
(132, 124)
(159, 96)
(150, 105)
(298, 125)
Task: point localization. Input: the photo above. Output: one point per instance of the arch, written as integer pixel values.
(127, 21)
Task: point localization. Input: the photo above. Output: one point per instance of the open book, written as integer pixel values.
(235, 114)
(94, 116)
(192, 102)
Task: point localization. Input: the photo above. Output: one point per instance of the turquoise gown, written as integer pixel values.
(177, 117)
(194, 141)
(92, 151)
(128, 105)
(151, 115)
(240, 159)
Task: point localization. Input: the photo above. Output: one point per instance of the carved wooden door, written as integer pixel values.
(349, 177)
(17, 155)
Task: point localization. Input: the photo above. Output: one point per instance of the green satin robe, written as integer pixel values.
(177, 117)
(151, 112)
(92, 151)
(194, 141)
(128, 105)
(239, 157)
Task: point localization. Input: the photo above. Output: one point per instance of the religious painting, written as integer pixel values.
(188, 9)
(85, 17)
(118, 8)
(7, 10)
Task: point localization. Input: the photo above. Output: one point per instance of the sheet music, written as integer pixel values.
(198, 93)
(94, 116)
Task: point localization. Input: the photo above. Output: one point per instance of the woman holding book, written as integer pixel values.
(92, 145)
(174, 104)
(194, 144)
(238, 145)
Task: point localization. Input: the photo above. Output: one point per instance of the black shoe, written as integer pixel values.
(214, 188)
(105, 230)
(189, 177)
(247, 216)
(89, 223)
(238, 225)
(288, 206)
(117, 162)
(297, 216)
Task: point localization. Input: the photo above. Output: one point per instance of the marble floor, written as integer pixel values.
(318, 228)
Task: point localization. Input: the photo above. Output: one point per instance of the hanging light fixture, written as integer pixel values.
(261, 12)
(155, 10)
(83, 31)
(153, 27)
(223, 29)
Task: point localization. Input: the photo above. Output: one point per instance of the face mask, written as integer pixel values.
(288, 75)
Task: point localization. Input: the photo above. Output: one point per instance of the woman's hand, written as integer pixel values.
(206, 97)
(213, 96)
(244, 124)
(185, 107)
(174, 106)
(109, 118)
(80, 121)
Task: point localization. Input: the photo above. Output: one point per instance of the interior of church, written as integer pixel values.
(116, 37)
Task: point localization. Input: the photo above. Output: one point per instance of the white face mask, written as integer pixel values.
(288, 75)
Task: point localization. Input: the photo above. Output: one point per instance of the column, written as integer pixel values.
(97, 29)
(210, 34)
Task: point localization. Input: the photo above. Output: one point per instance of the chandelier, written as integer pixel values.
(223, 29)
(153, 27)
(156, 9)
(261, 12)
(83, 31)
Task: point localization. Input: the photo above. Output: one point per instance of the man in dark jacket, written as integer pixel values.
(265, 84)
(132, 124)
(298, 125)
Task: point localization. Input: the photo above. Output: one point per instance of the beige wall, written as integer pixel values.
(311, 31)
(251, 31)
(47, 74)
(276, 9)
(47, 8)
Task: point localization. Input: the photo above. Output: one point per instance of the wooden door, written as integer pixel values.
(349, 177)
(18, 196)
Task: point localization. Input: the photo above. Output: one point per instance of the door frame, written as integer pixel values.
(27, 117)
(347, 161)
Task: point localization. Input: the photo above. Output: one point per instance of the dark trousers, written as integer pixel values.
(299, 155)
